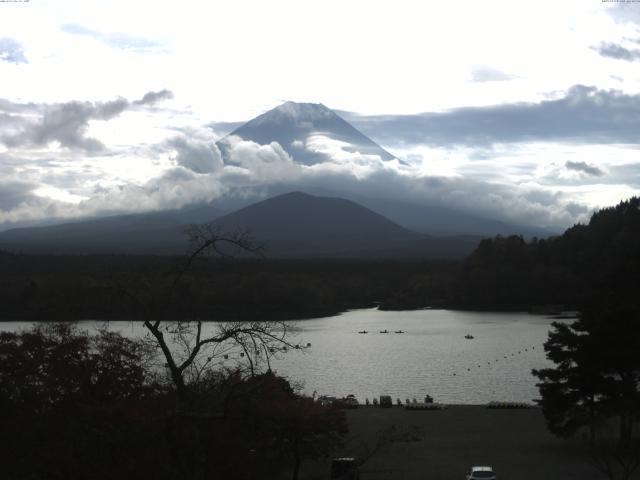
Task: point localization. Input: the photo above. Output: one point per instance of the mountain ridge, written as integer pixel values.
(293, 225)
(299, 225)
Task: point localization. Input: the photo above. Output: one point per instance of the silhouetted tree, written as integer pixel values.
(596, 381)
(74, 405)
(192, 348)
(188, 345)
(572, 390)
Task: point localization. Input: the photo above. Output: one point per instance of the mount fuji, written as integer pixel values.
(307, 132)
(313, 134)
(323, 157)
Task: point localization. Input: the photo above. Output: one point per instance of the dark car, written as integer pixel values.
(344, 468)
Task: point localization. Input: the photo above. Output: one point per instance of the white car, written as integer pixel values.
(481, 473)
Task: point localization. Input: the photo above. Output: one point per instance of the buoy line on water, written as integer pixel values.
(507, 356)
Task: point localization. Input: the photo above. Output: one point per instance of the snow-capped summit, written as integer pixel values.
(309, 132)
(303, 112)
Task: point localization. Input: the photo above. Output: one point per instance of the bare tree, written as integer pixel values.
(193, 350)
(189, 345)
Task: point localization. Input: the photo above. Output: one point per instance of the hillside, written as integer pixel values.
(600, 258)
(298, 225)
(293, 225)
(150, 233)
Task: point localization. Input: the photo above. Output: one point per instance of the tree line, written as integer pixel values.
(70, 287)
(593, 389)
(503, 273)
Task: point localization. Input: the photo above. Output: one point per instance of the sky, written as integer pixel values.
(526, 111)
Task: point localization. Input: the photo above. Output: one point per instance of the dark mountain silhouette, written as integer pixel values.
(438, 220)
(298, 225)
(294, 225)
(427, 219)
(152, 233)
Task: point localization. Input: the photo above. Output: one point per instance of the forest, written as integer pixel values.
(503, 273)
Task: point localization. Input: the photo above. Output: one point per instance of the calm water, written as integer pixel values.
(432, 356)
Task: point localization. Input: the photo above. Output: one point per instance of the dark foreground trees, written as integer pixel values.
(74, 405)
(594, 387)
(77, 406)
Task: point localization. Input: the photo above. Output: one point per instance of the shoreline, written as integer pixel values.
(311, 316)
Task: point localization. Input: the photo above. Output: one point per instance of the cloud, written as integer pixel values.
(261, 163)
(224, 128)
(15, 193)
(497, 181)
(115, 40)
(488, 74)
(172, 189)
(198, 175)
(195, 155)
(618, 52)
(585, 168)
(584, 115)
(625, 12)
(67, 123)
(11, 51)
(12, 107)
(21, 206)
(150, 98)
(630, 173)
(354, 175)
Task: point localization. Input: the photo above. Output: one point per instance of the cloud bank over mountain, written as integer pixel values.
(195, 169)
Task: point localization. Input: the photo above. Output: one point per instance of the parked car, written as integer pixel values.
(481, 473)
(345, 468)
(326, 400)
(351, 401)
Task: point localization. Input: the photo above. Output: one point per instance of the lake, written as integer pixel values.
(431, 357)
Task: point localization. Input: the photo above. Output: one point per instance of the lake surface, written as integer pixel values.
(431, 357)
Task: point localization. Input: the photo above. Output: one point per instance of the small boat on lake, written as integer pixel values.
(384, 331)
(468, 336)
(363, 331)
(399, 331)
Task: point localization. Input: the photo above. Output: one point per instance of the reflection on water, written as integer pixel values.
(431, 357)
